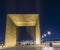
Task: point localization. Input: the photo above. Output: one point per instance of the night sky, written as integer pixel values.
(49, 11)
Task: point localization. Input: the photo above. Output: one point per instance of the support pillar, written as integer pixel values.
(10, 37)
(37, 29)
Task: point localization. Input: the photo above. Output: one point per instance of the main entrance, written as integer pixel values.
(23, 26)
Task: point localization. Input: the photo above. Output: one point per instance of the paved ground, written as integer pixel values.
(32, 48)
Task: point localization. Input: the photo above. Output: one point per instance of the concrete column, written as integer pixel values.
(10, 36)
(37, 29)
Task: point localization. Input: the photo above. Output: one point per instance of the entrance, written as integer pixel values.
(24, 33)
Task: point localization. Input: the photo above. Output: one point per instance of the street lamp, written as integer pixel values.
(42, 36)
(45, 35)
(49, 33)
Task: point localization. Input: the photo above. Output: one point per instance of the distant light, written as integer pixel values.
(42, 36)
(45, 35)
(49, 33)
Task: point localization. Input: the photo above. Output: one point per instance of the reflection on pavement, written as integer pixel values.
(47, 48)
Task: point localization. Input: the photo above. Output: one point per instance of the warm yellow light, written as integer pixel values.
(14, 20)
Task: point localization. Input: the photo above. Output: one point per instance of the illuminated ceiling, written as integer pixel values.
(24, 19)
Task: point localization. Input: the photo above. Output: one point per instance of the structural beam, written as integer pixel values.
(20, 20)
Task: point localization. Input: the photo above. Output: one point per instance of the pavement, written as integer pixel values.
(31, 48)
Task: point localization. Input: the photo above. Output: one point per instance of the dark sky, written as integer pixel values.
(49, 11)
(50, 19)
